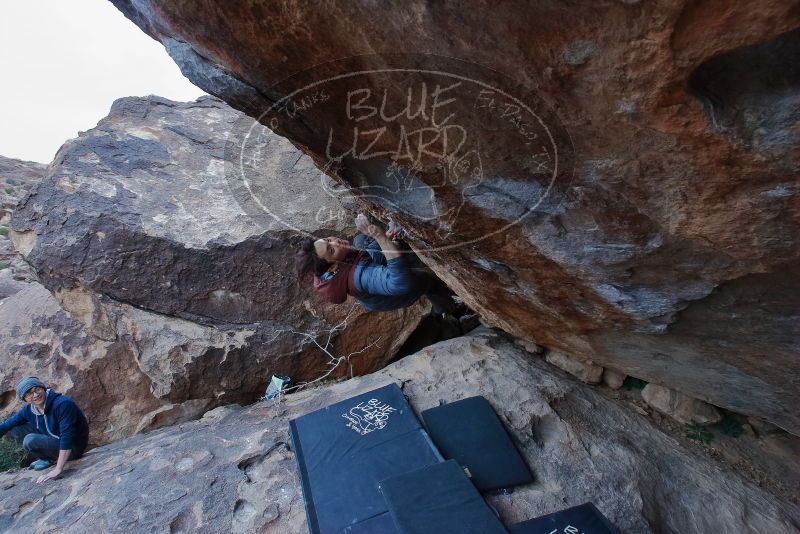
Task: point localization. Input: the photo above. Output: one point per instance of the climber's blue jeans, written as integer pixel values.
(41, 446)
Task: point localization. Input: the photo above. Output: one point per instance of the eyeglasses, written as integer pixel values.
(29, 395)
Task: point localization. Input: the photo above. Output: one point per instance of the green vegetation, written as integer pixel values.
(11, 455)
(729, 426)
(3, 231)
(698, 433)
(4, 265)
(10, 190)
(632, 383)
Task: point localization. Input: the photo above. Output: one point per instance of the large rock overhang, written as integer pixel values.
(665, 241)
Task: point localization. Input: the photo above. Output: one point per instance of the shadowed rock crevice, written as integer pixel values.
(7, 398)
(753, 93)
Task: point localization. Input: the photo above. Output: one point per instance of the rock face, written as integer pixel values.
(233, 470)
(680, 407)
(584, 371)
(613, 379)
(168, 299)
(16, 179)
(597, 204)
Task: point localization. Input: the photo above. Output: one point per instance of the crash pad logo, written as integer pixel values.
(366, 417)
(427, 140)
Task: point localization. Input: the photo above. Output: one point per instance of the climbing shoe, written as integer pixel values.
(38, 465)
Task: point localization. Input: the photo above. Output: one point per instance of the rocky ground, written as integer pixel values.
(234, 471)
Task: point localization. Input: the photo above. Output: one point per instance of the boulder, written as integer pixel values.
(585, 371)
(168, 297)
(15, 273)
(530, 346)
(234, 469)
(613, 379)
(17, 177)
(582, 175)
(680, 407)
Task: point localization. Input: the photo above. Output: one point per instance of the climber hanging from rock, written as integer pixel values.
(377, 270)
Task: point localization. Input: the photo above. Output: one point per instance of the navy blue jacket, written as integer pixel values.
(62, 420)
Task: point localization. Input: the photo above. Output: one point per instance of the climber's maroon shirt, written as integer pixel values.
(336, 288)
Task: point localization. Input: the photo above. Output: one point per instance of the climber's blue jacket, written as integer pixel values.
(383, 285)
(62, 419)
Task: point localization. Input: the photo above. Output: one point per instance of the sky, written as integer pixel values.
(62, 64)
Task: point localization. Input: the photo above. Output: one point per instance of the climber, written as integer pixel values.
(49, 427)
(374, 269)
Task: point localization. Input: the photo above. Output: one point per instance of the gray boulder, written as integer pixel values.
(680, 407)
(17, 177)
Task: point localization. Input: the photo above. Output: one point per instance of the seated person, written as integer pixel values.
(373, 269)
(50, 427)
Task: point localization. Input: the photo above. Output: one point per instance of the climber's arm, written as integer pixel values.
(389, 249)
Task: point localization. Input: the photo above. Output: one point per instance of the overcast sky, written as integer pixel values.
(64, 63)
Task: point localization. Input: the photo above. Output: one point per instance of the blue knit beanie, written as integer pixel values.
(24, 385)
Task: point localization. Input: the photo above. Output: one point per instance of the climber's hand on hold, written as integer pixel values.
(368, 229)
(395, 232)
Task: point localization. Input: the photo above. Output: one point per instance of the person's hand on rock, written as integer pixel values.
(368, 229)
(395, 231)
(50, 475)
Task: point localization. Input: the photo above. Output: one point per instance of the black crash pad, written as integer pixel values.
(583, 519)
(345, 449)
(379, 524)
(470, 432)
(438, 499)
